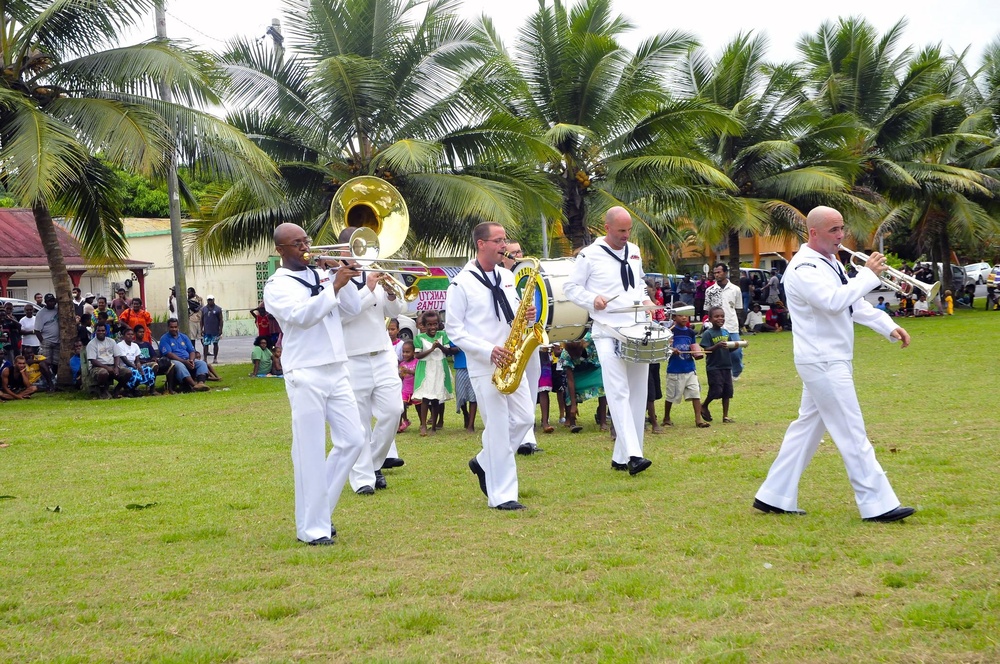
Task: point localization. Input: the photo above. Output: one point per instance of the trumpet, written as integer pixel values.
(363, 247)
(893, 279)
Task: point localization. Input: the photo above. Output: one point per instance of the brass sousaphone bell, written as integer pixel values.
(378, 211)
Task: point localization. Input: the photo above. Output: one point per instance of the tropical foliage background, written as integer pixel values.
(550, 131)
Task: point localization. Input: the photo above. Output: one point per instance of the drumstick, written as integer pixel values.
(607, 302)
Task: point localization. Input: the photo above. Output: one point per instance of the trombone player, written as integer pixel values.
(824, 305)
(374, 373)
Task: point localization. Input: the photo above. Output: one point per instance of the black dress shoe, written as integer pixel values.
(380, 480)
(771, 509)
(897, 514)
(638, 464)
(480, 473)
(322, 541)
(365, 491)
(618, 466)
(391, 462)
(527, 449)
(511, 505)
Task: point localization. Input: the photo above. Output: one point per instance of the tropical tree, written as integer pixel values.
(400, 90)
(786, 157)
(620, 138)
(918, 130)
(72, 107)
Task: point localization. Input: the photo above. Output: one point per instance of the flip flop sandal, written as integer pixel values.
(576, 428)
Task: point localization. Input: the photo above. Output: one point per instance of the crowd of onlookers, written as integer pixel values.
(113, 355)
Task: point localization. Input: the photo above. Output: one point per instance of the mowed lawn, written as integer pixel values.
(671, 565)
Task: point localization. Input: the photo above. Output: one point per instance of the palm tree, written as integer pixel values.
(620, 139)
(918, 131)
(786, 156)
(72, 107)
(400, 90)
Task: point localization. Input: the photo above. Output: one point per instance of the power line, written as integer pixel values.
(188, 25)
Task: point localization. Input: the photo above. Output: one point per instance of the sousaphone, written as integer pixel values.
(370, 202)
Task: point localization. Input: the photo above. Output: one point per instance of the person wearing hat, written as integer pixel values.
(47, 327)
(88, 305)
(195, 304)
(211, 327)
(172, 303)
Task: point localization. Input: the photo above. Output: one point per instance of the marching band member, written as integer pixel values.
(374, 370)
(534, 369)
(481, 305)
(611, 268)
(308, 304)
(824, 306)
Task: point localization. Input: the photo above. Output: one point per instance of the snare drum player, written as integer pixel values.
(481, 304)
(824, 305)
(308, 305)
(611, 269)
(371, 361)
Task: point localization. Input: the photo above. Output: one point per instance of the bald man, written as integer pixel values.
(611, 269)
(308, 304)
(824, 305)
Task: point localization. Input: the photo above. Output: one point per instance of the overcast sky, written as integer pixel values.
(954, 23)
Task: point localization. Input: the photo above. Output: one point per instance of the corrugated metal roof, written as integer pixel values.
(21, 246)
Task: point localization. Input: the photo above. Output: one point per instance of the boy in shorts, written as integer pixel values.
(718, 364)
(682, 380)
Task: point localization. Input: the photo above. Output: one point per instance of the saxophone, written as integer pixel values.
(525, 336)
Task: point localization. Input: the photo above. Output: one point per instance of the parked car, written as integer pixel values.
(993, 278)
(407, 327)
(976, 273)
(18, 305)
(958, 276)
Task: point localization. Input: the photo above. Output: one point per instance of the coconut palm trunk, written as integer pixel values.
(63, 287)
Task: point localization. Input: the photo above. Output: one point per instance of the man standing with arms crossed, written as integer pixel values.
(825, 304)
(308, 304)
(611, 269)
(482, 302)
(371, 361)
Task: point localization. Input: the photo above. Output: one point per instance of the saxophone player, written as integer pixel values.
(609, 268)
(481, 303)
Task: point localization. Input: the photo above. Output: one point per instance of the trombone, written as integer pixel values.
(363, 247)
(894, 279)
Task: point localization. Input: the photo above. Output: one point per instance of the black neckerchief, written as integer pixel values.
(840, 273)
(360, 284)
(500, 302)
(314, 289)
(628, 278)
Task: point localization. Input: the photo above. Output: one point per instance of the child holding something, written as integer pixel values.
(432, 379)
(682, 380)
(718, 364)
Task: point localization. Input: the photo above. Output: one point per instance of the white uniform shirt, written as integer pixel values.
(365, 332)
(311, 329)
(472, 323)
(730, 298)
(819, 305)
(130, 353)
(596, 273)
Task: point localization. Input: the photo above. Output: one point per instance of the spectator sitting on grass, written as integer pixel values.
(128, 356)
(14, 382)
(263, 359)
(101, 355)
(111, 319)
(178, 349)
(755, 320)
(882, 304)
(196, 356)
(39, 373)
(148, 354)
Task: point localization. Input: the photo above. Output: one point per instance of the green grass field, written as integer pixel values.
(671, 565)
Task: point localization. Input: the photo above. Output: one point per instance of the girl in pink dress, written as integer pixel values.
(407, 368)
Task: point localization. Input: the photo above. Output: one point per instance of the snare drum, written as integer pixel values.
(564, 321)
(645, 344)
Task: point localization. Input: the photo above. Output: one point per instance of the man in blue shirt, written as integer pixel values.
(178, 348)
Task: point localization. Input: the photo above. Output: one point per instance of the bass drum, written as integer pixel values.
(563, 320)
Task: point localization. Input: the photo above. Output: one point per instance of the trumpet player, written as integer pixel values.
(481, 303)
(308, 304)
(371, 362)
(824, 305)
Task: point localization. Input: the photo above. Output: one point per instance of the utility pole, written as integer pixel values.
(545, 237)
(180, 283)
(279, 40)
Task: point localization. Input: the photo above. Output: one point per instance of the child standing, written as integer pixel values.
(682, 380)
(465, 396)
(392, 327)
(432, 381)
(407, 368)
(949, 303)
(718, 364)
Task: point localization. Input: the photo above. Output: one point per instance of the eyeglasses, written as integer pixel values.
(501, 240)
(303, 242)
